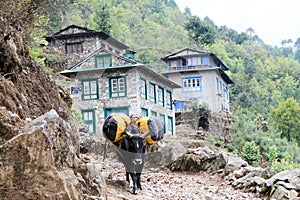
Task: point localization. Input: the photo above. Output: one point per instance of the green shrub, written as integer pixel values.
(76, 114)
(272, 154)
(250, 152)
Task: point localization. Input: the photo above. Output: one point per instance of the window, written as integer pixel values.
(144, 112)
(161, 96)
(88, 116)
(153, 113)
(192, 61)
(152, 93)
(170, 126)
(192, 84)
(205, 60)
(162, 118)
(102, 61)
(108, 111)
(226, 93)
(218, 88)
(143, 88)
(169, 100)
(75, 47)
(117, 87)
(90, 89)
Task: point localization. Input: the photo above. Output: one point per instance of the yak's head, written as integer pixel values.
(136, 143)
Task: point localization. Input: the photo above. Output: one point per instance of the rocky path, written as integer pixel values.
(166, 185)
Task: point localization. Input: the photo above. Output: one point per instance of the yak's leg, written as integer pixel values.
(138, 180)
(127, 177)
(134, 184)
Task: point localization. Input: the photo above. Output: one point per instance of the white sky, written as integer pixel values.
(272, 20)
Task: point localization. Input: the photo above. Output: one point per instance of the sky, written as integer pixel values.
(272, 20)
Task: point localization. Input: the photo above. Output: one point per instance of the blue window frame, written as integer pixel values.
(192, 84)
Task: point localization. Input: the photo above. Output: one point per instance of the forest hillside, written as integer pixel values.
(266, 94)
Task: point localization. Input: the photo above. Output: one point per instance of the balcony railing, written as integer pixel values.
(190, 67)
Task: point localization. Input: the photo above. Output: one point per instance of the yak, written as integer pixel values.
(132, 139)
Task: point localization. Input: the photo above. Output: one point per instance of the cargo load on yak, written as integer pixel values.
(152, 125)
(115, 125)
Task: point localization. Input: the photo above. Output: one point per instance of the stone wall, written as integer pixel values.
(133, 100)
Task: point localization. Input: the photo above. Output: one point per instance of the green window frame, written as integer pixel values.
(163, 118)
(103, 61)
(89, 118)
(153, 113)
(90, 89)
(121, 109)
(152, 92)
(117, 87)
(170, 125)
(143, 88)
(169, 99)
(144, 112)
(161, 96)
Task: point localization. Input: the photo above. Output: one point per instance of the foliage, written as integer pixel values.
(286, 118)
(101, 18)
(272, 154)
(53, 59)
(264, 76)
(286, 163)
(202, 32)
(250, 152)
(37, 35)
(76, 114)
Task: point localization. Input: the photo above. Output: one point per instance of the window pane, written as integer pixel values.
(86, 87)
(93, 87)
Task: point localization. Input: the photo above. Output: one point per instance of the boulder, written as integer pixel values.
(200, 159)
(163, 154)
(233, 163)
(42, 162)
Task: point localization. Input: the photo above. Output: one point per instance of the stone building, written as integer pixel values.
(202, 78)
(105, 78)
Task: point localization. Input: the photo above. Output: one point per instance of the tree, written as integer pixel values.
(286, 119)
(297, 55)
(250, 31)
(200, 31)
(101, 18)
(297, 44)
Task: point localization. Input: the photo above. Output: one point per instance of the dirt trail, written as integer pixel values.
(166, 185)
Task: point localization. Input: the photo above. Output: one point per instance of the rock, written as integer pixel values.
(233, 163)
(293, 194)
(291, 176)
(200, 159)
(164, 155)
(41, 162)
(279, 193)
